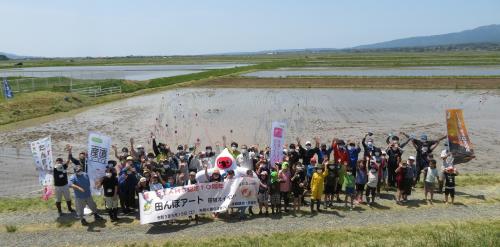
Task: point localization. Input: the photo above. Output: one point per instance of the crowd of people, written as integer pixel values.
(322, 172)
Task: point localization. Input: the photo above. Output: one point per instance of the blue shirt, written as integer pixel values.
(310, 170)
(83, 182)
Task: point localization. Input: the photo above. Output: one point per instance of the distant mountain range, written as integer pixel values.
(483, 34)
(480, 38)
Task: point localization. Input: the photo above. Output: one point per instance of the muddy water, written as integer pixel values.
(381, 72)
(245, 115)
(127, 72)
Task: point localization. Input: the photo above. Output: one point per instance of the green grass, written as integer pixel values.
(389, 59)
(460, 234)
(469, 179)
(11, 228)
(32, 204)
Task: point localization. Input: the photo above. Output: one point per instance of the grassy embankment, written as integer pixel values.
(40, 103)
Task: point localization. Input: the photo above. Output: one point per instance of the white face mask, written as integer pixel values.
(308, 147)
(244, 151)
(349, 173)
(331, 167)
(373, 170)
(233, 148)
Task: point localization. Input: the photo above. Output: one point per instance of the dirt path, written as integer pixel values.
(41, 228)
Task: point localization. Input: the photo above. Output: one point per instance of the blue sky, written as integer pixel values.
(169, 27)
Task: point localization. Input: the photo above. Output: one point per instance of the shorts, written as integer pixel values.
(263, 197)
(62, 191)
(275, 199)
(298, 192)
(407, 187)
(449, 191)
(330, 189)
(360, 187)
(349, 191)
(111, 202)
(429, 186)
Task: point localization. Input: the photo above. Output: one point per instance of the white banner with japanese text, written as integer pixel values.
(42, 154)
(167, 204)
(98, 153)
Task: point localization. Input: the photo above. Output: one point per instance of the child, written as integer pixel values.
(298, 185)
(449, 186)
(317, 185)
(360, 179)
(430, 176)
(348, 184)
(372, 183)
(310, 171)
(382, 173)
(263, 194)
(275, 192)
(284, 176)
(110, 187)
(331, 183)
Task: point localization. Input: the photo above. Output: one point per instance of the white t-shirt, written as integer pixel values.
(372, 179)
(431, 175)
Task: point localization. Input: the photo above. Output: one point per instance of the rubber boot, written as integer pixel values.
(318, 205)
(115, 213)
(68, 204)
(58, 206)
(312, 206)
(111, 215)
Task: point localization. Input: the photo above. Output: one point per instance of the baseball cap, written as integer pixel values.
(411, 158)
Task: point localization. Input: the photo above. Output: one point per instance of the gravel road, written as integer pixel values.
(42, 228)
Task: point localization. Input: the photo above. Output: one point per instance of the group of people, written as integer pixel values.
(323, 172)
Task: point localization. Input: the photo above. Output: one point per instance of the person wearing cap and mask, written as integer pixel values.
(274, 192)
(340, 151)
(263, 193)
(423, 148)
(127, 182)
(394, 153)
(317, 185)
(298, 185)
(372, 181)
(353, 149)
(447, 159)
(308, 152)
(109, 185)
(61, 185)
(331, 183)
(80, 183)
(412, 170)
(324, 152)
(244, 160)
(284, 177)
(293, 154)
(368, 146)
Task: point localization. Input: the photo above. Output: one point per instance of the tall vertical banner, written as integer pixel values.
(42, 155)
(458, 140)
(7, 91)
(277, 141)
(98, 153)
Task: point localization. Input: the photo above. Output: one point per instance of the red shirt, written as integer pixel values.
(341, 154)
